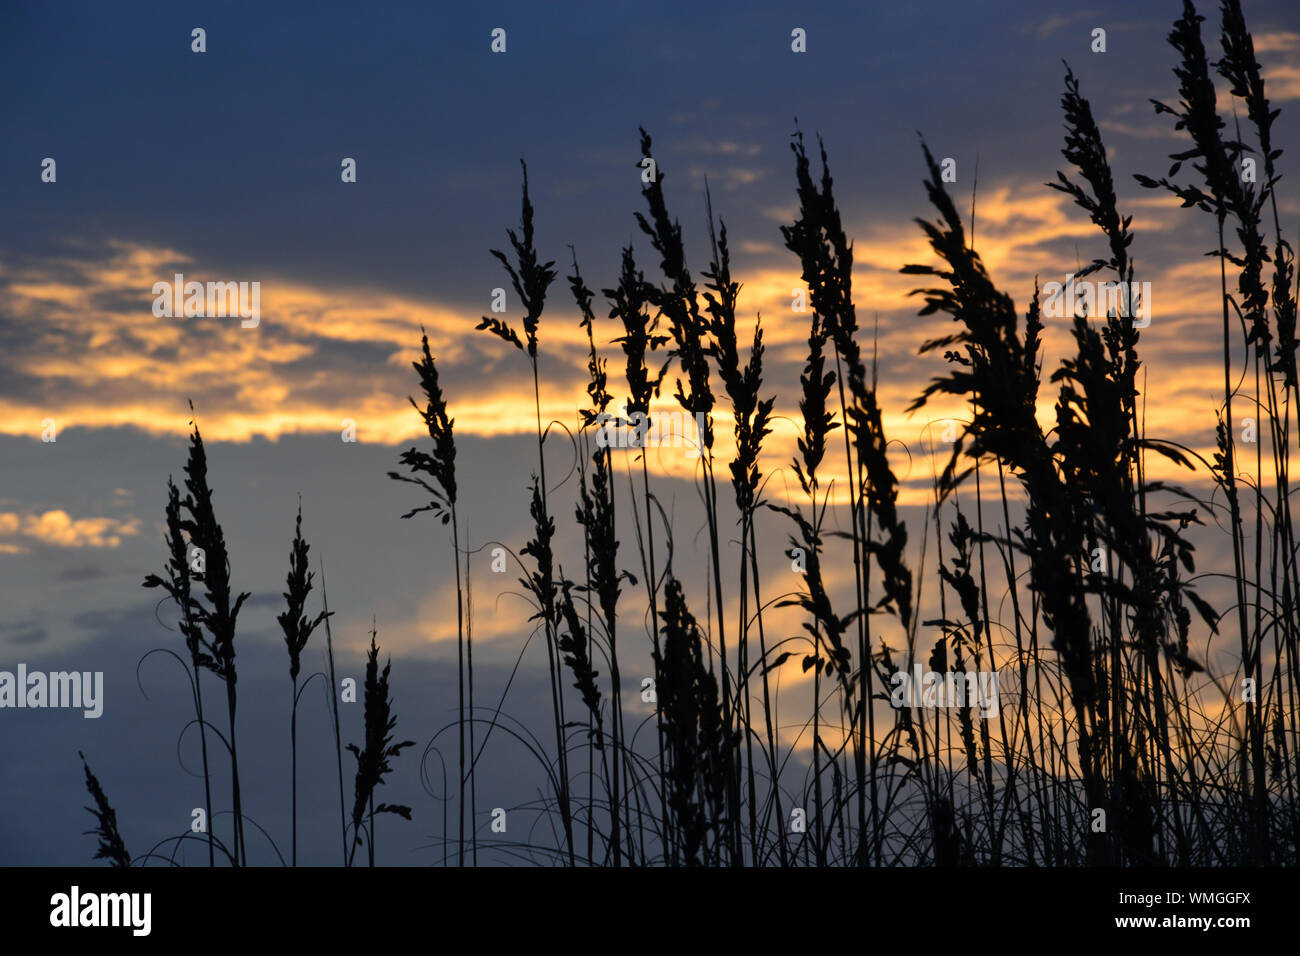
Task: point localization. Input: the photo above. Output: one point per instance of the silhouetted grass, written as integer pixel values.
(440, 467)
(111, 847)
(1124, 741)
(297, 629)
(374, 755)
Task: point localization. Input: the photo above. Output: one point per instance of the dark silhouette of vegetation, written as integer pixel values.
(373, 756)
(111, 847)
(1047, 555)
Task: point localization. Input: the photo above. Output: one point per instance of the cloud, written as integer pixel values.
(1152, 131)
(1279, 41)
(59, 529)
(1282, 83)
(1277, 52)
(1046, 27)
(320, 356)
(23, 632)
(731, 177)
(726, 147)
(101, 358)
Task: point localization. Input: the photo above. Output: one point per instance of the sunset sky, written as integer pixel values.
(225, 166)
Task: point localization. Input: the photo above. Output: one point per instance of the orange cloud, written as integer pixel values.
(1281, 75)
(100, 358)
(59, 529)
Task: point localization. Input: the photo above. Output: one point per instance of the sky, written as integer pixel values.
(226, 166)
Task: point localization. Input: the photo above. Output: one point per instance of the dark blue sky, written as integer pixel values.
(234, 154)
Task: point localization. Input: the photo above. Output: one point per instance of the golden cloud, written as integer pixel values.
(100, 358)
(61, 530)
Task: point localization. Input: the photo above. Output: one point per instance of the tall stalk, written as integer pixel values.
(297, 631)
(531, 279)
(440, 467)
